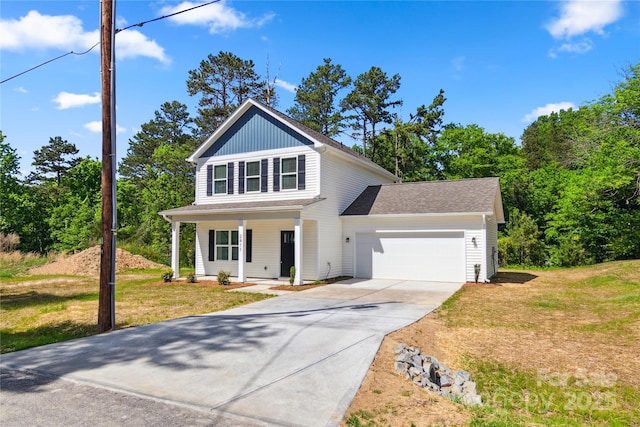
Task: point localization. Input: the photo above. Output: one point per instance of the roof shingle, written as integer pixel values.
(428, 197)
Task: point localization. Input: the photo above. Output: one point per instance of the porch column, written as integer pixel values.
(175, 248)
(297, 239)
(242, 234)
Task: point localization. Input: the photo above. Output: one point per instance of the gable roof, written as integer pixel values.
(477, 196)
(316, 137)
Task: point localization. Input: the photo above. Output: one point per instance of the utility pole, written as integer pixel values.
(106, 301)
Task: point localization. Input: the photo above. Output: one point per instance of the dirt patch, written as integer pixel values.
(87, 263)
(203, 284)
(392, 399)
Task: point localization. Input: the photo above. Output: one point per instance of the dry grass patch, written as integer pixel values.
(569, 336)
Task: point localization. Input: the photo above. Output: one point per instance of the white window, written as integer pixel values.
(220, 179)
(289, 173)
(226, 243)
(253, 177)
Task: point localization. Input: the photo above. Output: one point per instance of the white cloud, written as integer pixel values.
(218, 16)
(132, 43)
(66, 100)
(286, 86)
(458, 63)
(20, 89)
(546, 110)
(579, 47)
(36, 31)
(580, 17)
(96, 126)
(65, 32)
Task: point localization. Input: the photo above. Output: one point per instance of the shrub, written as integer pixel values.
(167, 276)
(292, 274)
(191, 278)
(223, 277)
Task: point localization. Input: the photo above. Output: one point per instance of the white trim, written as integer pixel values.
(242, 235)
(297, 251)
(443, 214)
(175, 248)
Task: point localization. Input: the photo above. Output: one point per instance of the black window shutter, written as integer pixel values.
(248, 245)
(230, 178)
(301, 172)
(240, 177)
(276, 174)
(209, 180)
(212, 245)
(264, 166)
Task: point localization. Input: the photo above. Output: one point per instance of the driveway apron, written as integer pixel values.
(294, 360)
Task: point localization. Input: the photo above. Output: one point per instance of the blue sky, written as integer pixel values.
(501, 64)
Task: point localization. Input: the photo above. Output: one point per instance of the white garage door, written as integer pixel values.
(437, 256)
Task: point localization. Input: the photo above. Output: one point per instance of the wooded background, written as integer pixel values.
(571, 187)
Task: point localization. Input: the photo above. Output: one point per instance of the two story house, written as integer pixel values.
(275, 198)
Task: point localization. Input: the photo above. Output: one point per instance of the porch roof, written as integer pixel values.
(240, 208)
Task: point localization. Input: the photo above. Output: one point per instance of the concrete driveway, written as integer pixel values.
(294, 360)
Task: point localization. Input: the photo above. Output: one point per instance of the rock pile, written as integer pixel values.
(425, 371)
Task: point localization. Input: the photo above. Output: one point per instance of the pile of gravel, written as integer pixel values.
(87, 263)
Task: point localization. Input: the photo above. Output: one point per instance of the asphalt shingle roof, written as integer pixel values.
(428, 197)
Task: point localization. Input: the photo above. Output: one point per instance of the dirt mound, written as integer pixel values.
(87, 263)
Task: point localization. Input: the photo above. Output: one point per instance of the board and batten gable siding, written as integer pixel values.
(492, 245)
(254, 131)
(341, 182)
(265, 259)
(470, 225)
(265, 158)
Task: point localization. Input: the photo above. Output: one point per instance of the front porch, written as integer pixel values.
(262, 244)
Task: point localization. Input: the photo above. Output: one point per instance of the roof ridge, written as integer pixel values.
(437, 181)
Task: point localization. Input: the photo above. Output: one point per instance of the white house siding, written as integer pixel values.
(492, 243)
(265, 260)
(470, 226)
(312, 160)
(341, 182)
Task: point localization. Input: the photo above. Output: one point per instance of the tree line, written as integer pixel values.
(571, 189)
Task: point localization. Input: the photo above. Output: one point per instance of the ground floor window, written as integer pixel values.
(226, 245)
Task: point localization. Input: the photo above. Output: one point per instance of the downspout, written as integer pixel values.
(484, 248)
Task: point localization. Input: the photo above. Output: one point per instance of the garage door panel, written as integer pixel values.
(415, 256)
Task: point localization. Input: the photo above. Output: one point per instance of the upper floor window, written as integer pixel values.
(220, 179)
(253, 176)
(289, 173)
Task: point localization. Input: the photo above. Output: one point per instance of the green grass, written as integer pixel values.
(16, 263)
(599, 303)
(520, 397)
(38, 310)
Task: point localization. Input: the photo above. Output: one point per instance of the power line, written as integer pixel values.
(139, 24)
(51, 60)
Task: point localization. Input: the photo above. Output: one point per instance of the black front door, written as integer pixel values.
(287, 257)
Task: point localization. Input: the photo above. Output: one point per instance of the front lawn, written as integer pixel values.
(558, 347)
(38, 310)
